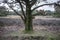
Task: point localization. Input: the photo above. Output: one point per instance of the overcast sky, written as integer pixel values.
(44, 7)
(48, 7)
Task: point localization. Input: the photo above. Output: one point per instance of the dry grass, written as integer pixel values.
(38, 29)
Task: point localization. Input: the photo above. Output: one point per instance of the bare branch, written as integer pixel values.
(23, 3)
(32, 2)
(57, 5)
(17, 13)
(41, 6)
(21, 8)
(20, 3)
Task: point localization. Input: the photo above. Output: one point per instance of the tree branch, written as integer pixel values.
(23, 3)
(32, 2)
(41, 6)
(22, 9)
(17, 13)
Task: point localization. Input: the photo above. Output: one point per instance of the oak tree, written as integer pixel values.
(27, 15)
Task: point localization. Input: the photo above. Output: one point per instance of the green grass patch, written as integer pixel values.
(35, 34)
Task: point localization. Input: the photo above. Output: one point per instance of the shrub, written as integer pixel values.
(56, 15)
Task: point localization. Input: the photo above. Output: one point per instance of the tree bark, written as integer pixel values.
(28, 20)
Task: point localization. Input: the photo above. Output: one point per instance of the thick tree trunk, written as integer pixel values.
(28, 25)
(28, 20)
